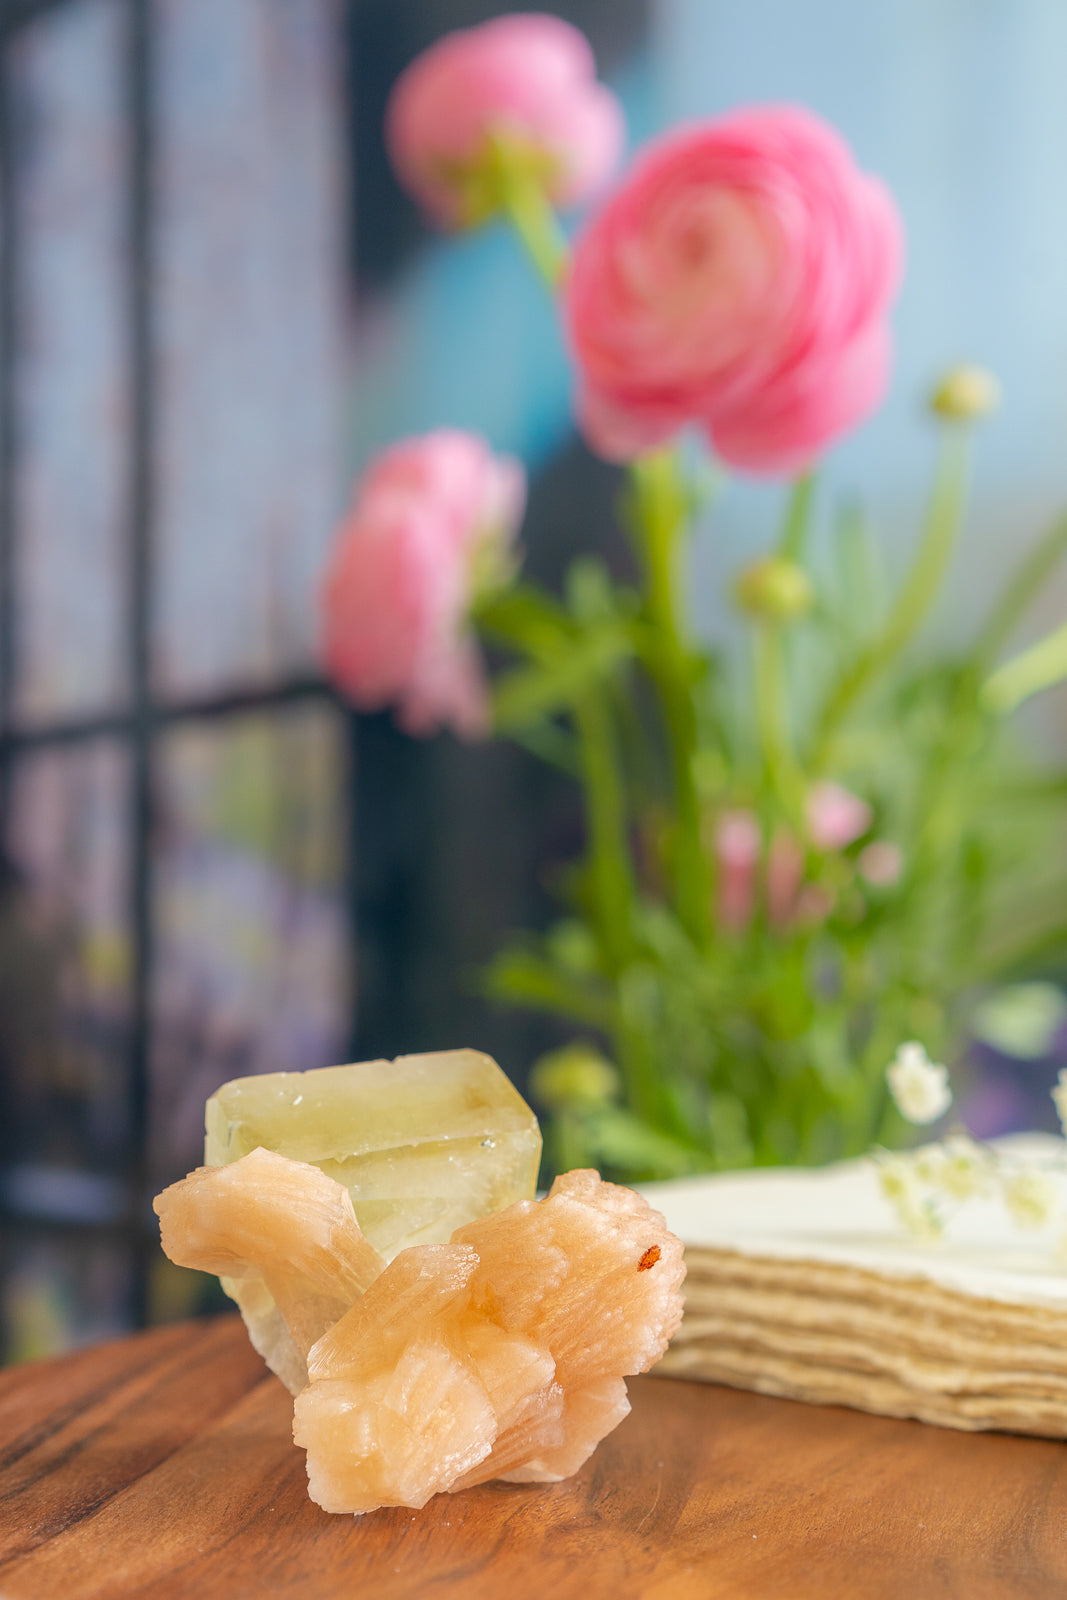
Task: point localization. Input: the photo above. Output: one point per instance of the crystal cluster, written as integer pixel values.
(423, 1363)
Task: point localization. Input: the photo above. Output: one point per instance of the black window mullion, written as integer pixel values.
(141, 150)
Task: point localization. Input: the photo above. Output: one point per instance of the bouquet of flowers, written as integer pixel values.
(799, 854)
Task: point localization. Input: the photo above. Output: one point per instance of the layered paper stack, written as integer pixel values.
(802, 1284)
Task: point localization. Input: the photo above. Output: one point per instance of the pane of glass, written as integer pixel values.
(64, 972)
(59, 1291)
(249, 326)
(72, 413)
(252, 956)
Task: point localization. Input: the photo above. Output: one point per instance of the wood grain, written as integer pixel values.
(161, 1468)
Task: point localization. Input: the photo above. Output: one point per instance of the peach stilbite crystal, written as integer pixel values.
(285, 1235)
(501, 1354)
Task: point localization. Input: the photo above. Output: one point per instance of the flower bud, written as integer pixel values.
(836, 817)
(774, 589)
(965, 394)
(576, 1075)
(432, 523)
(522, 88)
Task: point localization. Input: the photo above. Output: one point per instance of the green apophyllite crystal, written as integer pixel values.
(424, 1144)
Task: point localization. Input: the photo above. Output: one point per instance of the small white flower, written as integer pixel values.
(958, 1167)
(930, 1164)
(1029, 1196)
(965, 1170)
(1059, 1096)
(918, 1085)
(900, 1180)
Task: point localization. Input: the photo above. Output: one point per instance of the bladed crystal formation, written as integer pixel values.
(501, 1354)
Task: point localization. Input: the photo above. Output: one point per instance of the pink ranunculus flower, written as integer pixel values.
(529, 78)
(739, 279)
(429, 517)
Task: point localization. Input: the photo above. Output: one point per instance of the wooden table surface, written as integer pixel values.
(161, 1466)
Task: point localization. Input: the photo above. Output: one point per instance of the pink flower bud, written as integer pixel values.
(737, 851)
(399, 583)
(740, 279)
(836, 817)
(529, 79)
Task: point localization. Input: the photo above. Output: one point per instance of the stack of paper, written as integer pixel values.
(802, 1283)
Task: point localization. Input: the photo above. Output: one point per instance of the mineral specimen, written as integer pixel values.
(424, 1366)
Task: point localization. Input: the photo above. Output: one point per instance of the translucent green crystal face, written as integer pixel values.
(424, 1144)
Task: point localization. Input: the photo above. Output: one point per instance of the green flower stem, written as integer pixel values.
(798, 518)
(1040, 667)
(538, 227)
(772, 720)
(1026, 584)
(915, 597)
(523, 200)
(642, 1083)
(1035, 669)
(662, 511)
(609, 852)
(772, 701)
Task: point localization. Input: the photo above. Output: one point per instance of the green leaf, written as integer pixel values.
(530, 694)
(625, 1143)
(591, 593)
(522, 976)
(552, 745)
(527, 618)
(572, 946)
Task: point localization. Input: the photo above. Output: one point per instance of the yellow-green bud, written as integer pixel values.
(965, 394)
(577, 1075)
(774, 589)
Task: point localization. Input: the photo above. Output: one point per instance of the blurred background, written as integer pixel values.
(214, 304)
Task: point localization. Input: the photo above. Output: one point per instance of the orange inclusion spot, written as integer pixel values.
(649, 1259)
